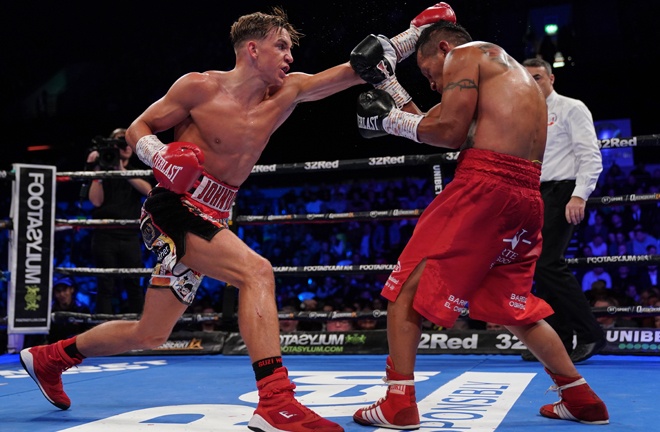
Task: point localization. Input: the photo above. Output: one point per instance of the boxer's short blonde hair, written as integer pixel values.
(258, 25)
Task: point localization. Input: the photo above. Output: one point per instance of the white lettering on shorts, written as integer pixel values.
(214, 194)
(517, 301)
(456, 304)
(507, 255)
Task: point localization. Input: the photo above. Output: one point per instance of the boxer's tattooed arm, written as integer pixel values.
(464, 84)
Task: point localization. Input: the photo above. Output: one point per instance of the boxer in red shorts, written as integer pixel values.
(476, 245)
(470, 259)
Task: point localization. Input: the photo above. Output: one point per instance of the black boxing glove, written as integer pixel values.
(377, 115)
(372, 108)
(374, 59)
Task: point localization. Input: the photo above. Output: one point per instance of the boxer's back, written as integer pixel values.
(511, 114)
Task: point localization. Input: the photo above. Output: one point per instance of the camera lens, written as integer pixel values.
(121, 143)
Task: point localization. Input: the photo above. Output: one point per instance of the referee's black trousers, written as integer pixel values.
(553, 280)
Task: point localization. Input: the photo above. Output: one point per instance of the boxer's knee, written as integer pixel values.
(154, 340)
(144, 338)
(258, 273)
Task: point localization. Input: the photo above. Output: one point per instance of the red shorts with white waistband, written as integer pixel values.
(480, 238)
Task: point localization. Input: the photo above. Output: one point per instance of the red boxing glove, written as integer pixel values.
(404, 43)
(178, 166)
(438, 12)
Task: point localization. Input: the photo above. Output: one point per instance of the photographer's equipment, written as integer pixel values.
(108, 151)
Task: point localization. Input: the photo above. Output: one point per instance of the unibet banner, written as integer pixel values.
(31, 248)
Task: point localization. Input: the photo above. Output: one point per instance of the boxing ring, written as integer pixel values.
(165, 389)
(217, 393)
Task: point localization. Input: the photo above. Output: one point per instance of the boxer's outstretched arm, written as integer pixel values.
(329, 82)
(323, 84)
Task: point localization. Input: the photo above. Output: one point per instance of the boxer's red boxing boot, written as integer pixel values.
(279, 411)
(577, 401)
(45, 365)
(398, 409)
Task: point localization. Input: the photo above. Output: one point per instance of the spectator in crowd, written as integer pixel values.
(341, 325)
(594, 275)
(310, 305)
(639, 215)
(598, 290)
(598, 227)
(611, 321)
(288, 325)
(328, 288)
(648, 275)
(648, 297)
(209, 325)
(338, 202)
(619, 244)
(313, 204)
(64, 300)
(623, 277)
(587, 252)
(621, 250)
(598, 245)
(617, 223)
(631, 185)
(641, 174)
(653, 224)
(366, 323)
(339, 247)
(615, 172)
(641, 240)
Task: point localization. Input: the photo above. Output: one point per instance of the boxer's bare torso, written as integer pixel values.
(487, 97)
(232, 115)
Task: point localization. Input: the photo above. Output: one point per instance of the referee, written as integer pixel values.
(571, 165)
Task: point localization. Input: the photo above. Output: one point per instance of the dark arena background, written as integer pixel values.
(329, 209)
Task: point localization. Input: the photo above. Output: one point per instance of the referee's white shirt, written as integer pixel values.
(571, 150)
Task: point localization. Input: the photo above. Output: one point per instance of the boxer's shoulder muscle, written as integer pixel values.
(195, 87)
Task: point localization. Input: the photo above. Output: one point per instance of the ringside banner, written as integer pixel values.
(31, 248)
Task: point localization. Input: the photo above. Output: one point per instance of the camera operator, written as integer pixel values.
(119, 198)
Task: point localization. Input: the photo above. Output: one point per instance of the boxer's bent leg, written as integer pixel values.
(542, 340)
(225, 257)
(161, 312)
(404, 325)
(577, 402)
